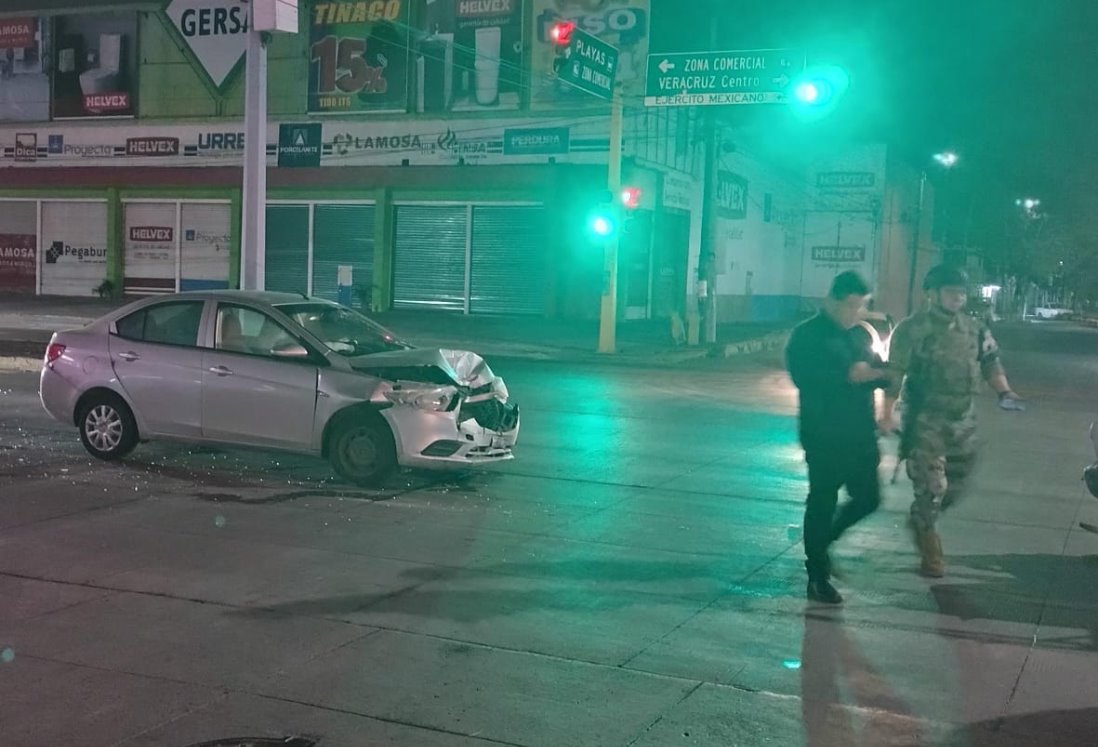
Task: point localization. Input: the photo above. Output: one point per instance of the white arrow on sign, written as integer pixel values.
(666, 65)
(782, 80)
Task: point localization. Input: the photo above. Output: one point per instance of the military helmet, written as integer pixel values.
(945, 276)
(1090, 477)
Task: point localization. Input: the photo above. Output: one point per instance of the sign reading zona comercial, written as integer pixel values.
(755, 76)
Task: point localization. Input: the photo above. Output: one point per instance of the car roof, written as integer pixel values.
(262, 297)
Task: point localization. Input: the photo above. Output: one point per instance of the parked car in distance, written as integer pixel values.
(278, 371)
(1051, 312)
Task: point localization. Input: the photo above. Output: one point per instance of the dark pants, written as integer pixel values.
(830, 468)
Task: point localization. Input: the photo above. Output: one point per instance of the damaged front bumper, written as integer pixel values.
(471, 434)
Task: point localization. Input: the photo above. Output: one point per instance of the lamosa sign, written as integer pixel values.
(215, 31)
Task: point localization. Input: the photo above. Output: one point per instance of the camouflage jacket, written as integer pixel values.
(940, 358)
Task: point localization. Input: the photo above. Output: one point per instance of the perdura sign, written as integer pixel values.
(215, 30)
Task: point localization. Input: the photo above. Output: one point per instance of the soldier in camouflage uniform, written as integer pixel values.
(938, 357)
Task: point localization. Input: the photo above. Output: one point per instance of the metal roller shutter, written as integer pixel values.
(287, 263)
(342, 235)
(430, 249)
(508, 273)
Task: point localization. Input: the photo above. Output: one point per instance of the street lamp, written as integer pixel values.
(947, 159)
(1029, 204)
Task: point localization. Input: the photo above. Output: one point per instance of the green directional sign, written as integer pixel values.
(752, 76)
(590, 64)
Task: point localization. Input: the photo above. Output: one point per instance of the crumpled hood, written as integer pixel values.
(460, 366)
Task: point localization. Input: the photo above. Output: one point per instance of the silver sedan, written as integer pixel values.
(278, 371)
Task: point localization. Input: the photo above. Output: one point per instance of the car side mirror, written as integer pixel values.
(291, 350)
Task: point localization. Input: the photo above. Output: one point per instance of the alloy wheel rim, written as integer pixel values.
(103, 427)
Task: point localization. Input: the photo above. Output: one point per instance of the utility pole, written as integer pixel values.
(708, 259)
(608, 316)
(915, 245)
(254, 217)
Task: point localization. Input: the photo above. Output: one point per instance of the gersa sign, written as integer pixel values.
(358, 56)
(215, 30)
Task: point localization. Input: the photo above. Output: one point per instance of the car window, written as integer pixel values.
(342, 330)
(244, 330)
(174, 323)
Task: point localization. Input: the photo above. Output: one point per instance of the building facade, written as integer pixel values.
(421, 154)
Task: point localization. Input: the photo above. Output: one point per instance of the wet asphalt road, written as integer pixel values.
(640, 554)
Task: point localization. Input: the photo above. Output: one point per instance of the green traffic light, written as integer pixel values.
(807, 92)
(602, 226)
(819, 89)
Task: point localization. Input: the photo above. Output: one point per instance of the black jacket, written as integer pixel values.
(835, 414)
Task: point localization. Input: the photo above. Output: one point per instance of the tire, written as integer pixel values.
(107, 427)
(361, 450)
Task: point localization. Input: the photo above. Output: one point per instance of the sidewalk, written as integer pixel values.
(26, 324)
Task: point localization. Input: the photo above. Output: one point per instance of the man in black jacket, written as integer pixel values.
(836, 374)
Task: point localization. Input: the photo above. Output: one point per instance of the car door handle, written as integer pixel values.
(129, 355)
(221, 371)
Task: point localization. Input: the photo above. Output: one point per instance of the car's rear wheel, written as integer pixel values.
(107, 427)
(361, 450)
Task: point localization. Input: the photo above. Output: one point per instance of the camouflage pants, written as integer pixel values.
(941, 451)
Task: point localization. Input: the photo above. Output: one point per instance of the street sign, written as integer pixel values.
(753, 76)
(590, 64)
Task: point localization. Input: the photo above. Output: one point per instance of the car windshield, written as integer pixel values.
(342, 330)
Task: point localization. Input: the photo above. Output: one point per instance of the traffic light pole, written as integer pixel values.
(608, 316)
(707, 262)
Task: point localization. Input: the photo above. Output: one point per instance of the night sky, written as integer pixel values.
(1008, 84)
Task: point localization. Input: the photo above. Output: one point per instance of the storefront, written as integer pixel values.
(309, 242)
(72, 235)
(472, 258)
(171, 246)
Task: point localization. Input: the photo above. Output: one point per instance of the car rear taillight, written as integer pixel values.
(54, 351)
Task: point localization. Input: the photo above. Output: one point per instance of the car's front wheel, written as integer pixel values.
(107, 427)
(361, 450)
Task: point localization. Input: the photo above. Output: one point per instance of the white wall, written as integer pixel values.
(766, 251)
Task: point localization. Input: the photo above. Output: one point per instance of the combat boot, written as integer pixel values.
(930, 547)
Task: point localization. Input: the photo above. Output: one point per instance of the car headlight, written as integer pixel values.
(434, 399)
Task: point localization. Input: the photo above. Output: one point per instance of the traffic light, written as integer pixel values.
(560, 32)
(602, 222)
(818, 90)
(630, 197)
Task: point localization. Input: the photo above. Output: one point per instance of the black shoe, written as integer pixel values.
(823, 592)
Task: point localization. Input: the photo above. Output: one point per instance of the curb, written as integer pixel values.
(759, 345)
(19, 364)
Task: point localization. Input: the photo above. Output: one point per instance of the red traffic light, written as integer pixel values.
(560, 33)
(630, 197)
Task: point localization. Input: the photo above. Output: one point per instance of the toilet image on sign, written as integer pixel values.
(106, 78)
